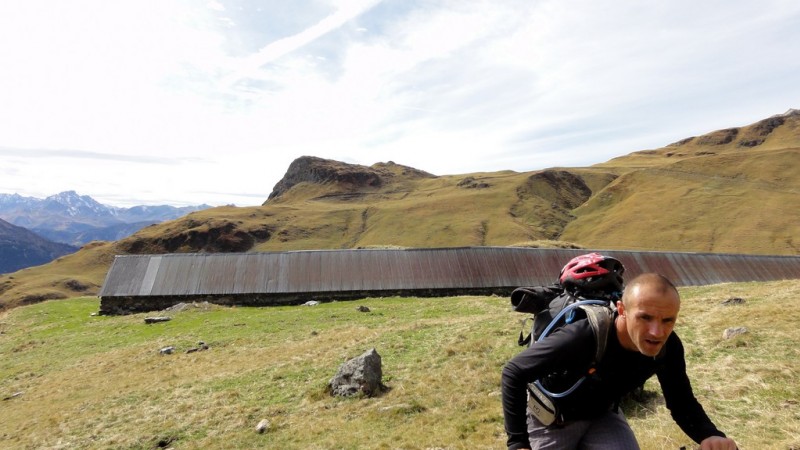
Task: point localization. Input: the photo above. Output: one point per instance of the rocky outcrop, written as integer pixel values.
(563, 188)
(311, 169)
(472, 183)
(720, 137)
(199, 236)
(757, 133)
(546, 200)
(748, 136)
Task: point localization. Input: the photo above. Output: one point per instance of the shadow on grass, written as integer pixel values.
(641, 403)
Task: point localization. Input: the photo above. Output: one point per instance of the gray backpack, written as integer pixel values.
(553, 307)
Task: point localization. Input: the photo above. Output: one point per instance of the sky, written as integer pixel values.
(185, 102)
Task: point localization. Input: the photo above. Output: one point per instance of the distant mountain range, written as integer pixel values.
(75, 219)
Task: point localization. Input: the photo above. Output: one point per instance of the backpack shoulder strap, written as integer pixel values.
(600, 318)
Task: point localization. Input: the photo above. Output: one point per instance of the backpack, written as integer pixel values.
(552, 307)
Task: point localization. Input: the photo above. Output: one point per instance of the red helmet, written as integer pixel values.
(592, 273)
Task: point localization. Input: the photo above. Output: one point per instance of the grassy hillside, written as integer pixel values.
(734, 191)
(732, 203)
(72, 380)
(64, 277)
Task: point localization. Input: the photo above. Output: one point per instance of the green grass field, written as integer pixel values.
(72, 380)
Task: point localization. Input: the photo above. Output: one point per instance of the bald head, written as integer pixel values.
(652, 282)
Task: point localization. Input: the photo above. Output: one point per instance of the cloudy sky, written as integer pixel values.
(192, 101)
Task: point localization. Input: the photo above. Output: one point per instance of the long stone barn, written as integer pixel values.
(138, 283)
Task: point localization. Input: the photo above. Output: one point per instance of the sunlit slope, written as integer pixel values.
(68, 276)
(477, 209)
(746, 202)
(778, 132)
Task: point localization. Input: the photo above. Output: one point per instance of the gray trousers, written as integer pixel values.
(610, 431)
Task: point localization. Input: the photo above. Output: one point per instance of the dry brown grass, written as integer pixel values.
(739, 203)
(99, 382)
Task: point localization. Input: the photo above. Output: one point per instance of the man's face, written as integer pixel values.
(649, 315)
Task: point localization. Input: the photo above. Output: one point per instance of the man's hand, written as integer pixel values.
(718, 443)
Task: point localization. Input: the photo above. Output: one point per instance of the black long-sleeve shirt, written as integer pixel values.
(569, 351)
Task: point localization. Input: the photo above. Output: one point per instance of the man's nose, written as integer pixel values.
(657, 329)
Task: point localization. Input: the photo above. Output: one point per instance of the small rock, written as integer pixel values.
(14, 395)
(363, 308)
(149, 320)
(262, 426)
(732, 332)
(733, 301)
(178, 307)
(200, 346)
(314, 332)
(167, 350)
(311, 303)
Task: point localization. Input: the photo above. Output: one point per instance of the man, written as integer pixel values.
(640, 344)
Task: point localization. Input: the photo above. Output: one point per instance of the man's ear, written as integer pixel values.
(620, 308)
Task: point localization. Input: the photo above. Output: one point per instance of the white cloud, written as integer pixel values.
(345, 10)
(217, 6)
(445, 86)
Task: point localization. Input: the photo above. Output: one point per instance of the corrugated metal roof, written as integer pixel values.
(442, 271)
